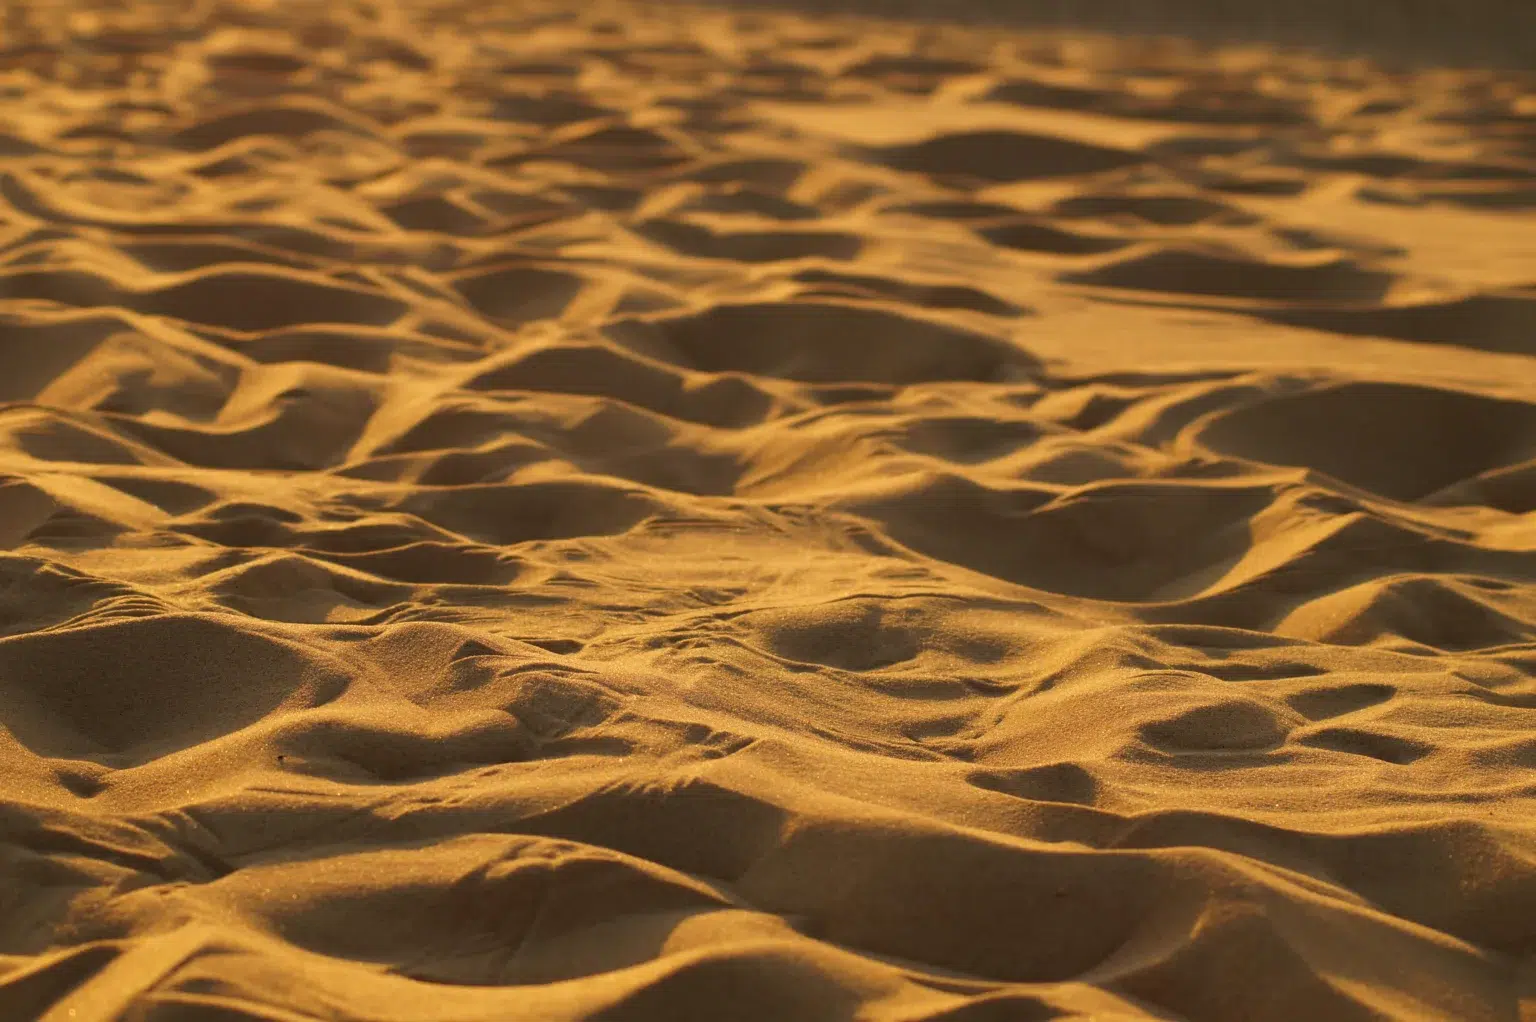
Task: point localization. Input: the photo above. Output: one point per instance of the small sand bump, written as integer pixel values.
(1232, 725)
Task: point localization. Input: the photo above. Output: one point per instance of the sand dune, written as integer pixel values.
(644, 513)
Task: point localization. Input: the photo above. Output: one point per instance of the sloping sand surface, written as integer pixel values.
(643, 513)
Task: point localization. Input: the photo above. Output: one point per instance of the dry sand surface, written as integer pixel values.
(634, 513)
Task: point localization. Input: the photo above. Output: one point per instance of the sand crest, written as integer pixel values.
(636, 513)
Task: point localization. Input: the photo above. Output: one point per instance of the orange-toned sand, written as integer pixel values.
(632, 515)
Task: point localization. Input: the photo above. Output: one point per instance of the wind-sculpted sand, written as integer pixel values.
(630, 513)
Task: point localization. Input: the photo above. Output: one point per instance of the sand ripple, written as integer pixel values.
(617, 514)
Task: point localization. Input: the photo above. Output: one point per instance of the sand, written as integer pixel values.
(647, 513)
(1497, 34)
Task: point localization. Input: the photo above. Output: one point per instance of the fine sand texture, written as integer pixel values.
(513, 512)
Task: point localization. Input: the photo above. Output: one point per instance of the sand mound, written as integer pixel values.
(639, 513)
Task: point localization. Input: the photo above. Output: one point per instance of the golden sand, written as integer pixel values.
(515, 513)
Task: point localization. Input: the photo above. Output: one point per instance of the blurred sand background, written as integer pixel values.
(632, 511)
(1474, 33)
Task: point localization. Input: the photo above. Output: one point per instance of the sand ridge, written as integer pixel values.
(636, 512)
